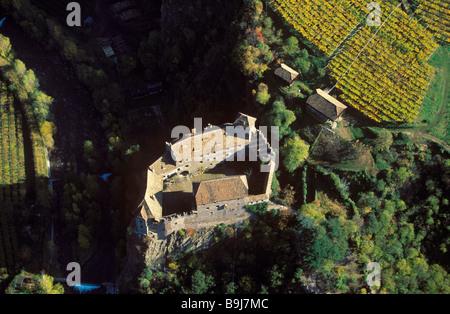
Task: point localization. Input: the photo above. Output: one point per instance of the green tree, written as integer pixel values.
(275, 186)
(48, 287)
(313, 211)
(70, 49)
(127, 64)
(252, 59)
(260, 208)
(200, 283)
(438, 281)
(247, 284)
(48, 129)
(30, 81)
(262, 95)
(145, 280)
(383, 141)
(402, 174)
(270, 34)
(19, 68)
(407, 234)
(41, 106)
(230, 288)
(323, 244)
(5, 51)
(275, 276)
(89, 149)
(281, 116)
(295, 151)
(291, 46)
(296, 90)
(84, 236)
(302, 62)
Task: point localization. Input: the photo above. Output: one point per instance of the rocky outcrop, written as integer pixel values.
(156, 253)
(176, 245)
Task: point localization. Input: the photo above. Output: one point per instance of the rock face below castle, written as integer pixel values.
(155, 252)
(206, 178)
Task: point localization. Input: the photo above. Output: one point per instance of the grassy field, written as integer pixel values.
(435, 110)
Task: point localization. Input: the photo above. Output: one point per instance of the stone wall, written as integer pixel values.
(228, 212)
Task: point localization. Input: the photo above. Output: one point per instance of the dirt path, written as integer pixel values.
(344, 130)
(434, 139)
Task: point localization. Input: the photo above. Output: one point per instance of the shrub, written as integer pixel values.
(259, 209)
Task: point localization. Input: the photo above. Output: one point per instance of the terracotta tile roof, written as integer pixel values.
(218, 190)
(326, 104)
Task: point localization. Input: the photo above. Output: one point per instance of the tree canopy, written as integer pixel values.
(295, 151)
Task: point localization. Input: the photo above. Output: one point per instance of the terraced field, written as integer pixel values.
(12, 175)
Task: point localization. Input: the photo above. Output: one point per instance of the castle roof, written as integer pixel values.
(326, 104)
(152, 203)
(286, 73)
(245, 120)
(218, 190)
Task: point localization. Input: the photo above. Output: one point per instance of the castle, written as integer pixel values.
(205, 179)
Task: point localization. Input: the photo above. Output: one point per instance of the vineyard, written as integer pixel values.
(23, 162)
(326, 24)
(12, 175)
(380, 71)
(436, 15)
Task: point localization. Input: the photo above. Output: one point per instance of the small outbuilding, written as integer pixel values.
(286, 73)
(325, 107)
(108, 51)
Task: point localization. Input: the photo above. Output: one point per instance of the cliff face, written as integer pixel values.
(156, 253)
(175, 245)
